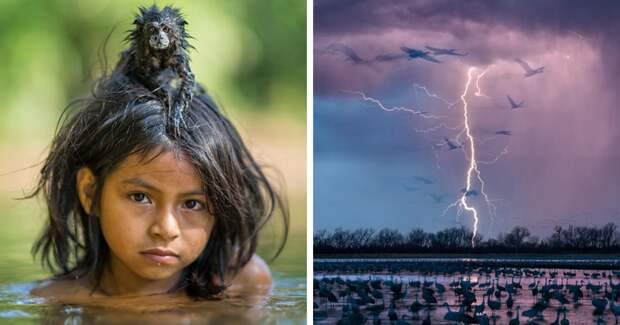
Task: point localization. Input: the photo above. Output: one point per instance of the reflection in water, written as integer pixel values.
(286, 302)
(446, 292)
(99, 315)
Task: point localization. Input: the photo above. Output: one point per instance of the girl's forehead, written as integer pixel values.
(164, 166)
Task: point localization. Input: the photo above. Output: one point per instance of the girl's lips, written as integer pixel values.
(161, 256)
(161, 259)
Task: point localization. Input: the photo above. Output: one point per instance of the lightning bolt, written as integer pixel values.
(494, 160)
(473, 172)
(492, 208)
(472, 157)
(377, 102)
(432, 95)
(478, 91)
(462, 203)
(439, 126)
(447, 102)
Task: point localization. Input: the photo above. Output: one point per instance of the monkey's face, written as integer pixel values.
(160, 36)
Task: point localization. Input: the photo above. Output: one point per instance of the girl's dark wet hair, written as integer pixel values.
(120, 119)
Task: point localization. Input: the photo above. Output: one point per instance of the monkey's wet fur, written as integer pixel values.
(158, 57)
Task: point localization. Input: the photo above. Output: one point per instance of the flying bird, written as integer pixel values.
(440, 51)
(528, 70)
(389, 57)
(348, 52)
(514, 104)
(438, 198)
(503, 132)
(411, 188)
(452, 145)
(414, 54)
(469, 193)
(422, 180)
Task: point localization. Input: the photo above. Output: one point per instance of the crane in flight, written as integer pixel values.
(513, 104)
(528, 70)
(348, 52)
(414, 54)
(452, 145)
(440, 51)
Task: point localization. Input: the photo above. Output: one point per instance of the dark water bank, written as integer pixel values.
(324, 263)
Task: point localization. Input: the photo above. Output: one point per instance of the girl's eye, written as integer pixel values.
(139, 197)
(194, 205)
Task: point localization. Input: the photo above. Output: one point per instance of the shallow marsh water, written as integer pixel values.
(286, 304)
(340, 276)
(18, 273)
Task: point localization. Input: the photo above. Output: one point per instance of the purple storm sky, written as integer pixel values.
(562, 164)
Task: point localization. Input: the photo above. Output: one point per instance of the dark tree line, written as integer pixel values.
(458, 240)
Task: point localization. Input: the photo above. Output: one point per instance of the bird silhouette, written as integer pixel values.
(468, 193)
(452, 145)
(422, 180)
(440, 51)
(414, 54)
(528, 70)
(503, 132)
(494, 305)
(515, 321)
(438, 198)
(348, 52)
(450, 315)
(513, 104)
(565, 320)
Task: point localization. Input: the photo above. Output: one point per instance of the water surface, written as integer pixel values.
(19, 273)
(349, 278)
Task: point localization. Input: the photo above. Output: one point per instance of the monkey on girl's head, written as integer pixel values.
(157, 55)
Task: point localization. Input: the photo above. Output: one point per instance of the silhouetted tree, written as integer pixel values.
(361, 237)
(515, 239)
(458, 240)
(386, 240)
(608, 236)
(418, 239)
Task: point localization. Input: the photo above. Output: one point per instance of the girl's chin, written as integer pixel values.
(158, 273)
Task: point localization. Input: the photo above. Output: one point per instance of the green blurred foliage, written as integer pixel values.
(251, 55)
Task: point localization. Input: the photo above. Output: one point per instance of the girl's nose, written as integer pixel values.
(165, 225)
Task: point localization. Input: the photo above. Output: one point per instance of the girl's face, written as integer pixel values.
(154, 218)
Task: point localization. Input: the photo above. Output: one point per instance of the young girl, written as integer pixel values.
(137, 207)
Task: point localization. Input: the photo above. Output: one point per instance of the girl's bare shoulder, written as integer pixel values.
(254, 277)
(80, 292)
(61, 289)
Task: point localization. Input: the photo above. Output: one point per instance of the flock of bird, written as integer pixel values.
(430, 54)
(482, 295)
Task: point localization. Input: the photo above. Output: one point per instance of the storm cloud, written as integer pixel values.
(562, 165)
